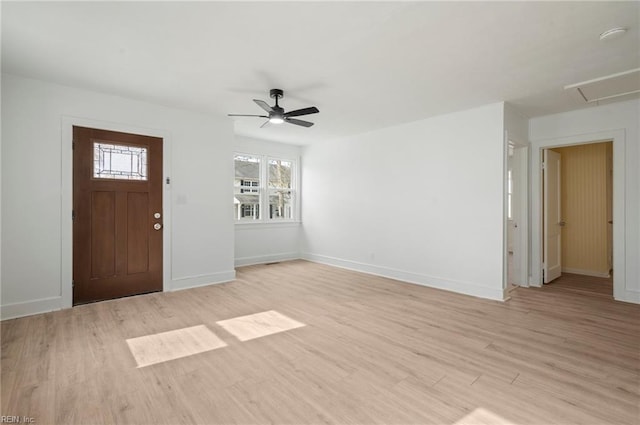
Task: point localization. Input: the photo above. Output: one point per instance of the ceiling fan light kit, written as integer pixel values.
(277, 115)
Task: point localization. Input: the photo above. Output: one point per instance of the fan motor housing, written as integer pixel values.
(276, 93)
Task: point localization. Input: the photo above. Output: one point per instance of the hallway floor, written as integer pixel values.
(584, 284)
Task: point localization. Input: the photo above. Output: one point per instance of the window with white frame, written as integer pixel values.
(264, 188)
(510, 182)
(246, 190)
(280, 189)
(509, 195)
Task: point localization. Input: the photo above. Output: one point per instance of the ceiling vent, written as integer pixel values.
(609, 87)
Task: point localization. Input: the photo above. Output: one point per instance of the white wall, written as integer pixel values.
(516, 124)
(36, 181)
(621, 121)
(267, 242)
(421, 202)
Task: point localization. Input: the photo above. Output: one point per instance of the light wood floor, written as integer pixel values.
(373, 351)
(580, 283)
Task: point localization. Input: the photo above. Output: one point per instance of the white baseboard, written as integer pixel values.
(45, 305)
(201, 280)
(466, 288)
(262, 259)
(627, 296)
(29, 308)
(585, 272)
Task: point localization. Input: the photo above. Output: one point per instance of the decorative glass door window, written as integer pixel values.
(119, 162)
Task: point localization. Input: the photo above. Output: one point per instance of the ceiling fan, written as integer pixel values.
(277, 115)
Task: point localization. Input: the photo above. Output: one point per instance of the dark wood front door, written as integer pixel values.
(117, 214)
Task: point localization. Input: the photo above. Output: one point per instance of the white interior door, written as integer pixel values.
(552, 217)
(512, 219)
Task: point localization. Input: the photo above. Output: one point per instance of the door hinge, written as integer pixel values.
(73, 145)
(543, 165)
(73, 215)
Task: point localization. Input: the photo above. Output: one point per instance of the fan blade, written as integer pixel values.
(304, 111)
(242, 115)
(264, 105)
(298, 122)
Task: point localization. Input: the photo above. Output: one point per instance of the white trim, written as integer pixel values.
(521, 154)
(201, 280)
(523, 187)
(596, 80)
(506, 292)
(66, 225)
(250, 225)
(468, 288)
(628, 296)
(29, 308)
(269, 258)
(619, 224)
(613, 96)
(585, 272)
(505, 210)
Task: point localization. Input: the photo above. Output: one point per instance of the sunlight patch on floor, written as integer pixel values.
(482, 416)
(165, 346)
(258, 325)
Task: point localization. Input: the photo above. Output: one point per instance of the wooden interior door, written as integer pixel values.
(117, 214)
(553, 222)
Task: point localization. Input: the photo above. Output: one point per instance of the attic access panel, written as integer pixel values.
(609, 87)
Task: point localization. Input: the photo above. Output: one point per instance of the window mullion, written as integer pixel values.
(264, 188)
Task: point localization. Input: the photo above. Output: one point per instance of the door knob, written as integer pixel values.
(562, 223)
(157, 226)
(157, 215)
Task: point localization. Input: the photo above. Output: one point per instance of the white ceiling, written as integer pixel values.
(365, 65)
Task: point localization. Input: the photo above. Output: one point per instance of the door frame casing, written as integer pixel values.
(66, 206)
(617, 137)
(521, 161)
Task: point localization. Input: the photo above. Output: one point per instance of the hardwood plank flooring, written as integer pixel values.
(372, 351)
(582, 283)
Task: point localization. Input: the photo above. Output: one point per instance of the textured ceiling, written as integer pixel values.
(365, 65)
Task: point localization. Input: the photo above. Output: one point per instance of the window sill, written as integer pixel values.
(266, 224)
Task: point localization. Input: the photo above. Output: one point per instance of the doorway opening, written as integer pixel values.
(620, 291)
(577, 215)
